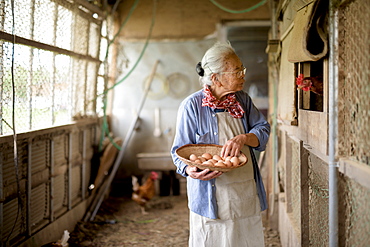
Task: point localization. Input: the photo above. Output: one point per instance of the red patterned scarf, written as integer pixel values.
(230, 103)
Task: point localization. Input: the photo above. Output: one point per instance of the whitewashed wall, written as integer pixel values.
(174, 57)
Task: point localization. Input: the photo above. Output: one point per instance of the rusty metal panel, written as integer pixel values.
(10, 210)
(8, 164)
(90, 141)
(40, 155)
(60, 155)
(39, 208)
(49, 183)
(76, 147)
(89, 151)
(59, 194)
(76, 184)
(9, 168)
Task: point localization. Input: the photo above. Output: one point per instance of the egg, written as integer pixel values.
(217, 157)
(202, 159)
(228, 163)
(207, 156)
(228, 158)
(213, 161)
(197, 161)
(235, 161)
(220, 163)
(207, 163)
(193, 157)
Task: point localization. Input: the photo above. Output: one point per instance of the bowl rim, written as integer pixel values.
(212, 168)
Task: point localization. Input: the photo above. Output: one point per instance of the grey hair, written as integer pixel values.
(213, 61)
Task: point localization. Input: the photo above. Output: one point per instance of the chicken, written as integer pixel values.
(142, 194)
(313, 84)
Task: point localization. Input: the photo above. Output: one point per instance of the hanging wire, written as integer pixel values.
(16, 165)
(239, 11)
(105, 127)
(121, 27)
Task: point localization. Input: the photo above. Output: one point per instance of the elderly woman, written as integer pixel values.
(225, 208)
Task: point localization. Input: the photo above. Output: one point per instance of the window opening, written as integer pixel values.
(310, 85)
(57, 48)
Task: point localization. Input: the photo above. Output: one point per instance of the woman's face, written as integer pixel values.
(232, 76)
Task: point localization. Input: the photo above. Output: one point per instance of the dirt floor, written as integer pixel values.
(120, 222)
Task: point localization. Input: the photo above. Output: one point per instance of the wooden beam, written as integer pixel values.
(355, 170)
(23, 41)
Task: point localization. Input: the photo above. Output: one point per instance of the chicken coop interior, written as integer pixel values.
(90, 91)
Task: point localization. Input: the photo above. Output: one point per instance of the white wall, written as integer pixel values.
(175, 57)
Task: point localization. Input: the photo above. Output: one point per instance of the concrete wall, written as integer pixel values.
(184, 20)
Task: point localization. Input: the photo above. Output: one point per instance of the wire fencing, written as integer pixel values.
(50, 59)
(308, 181)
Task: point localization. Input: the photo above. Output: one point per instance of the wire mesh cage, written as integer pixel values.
(354, 87)
(354, 119)
(318, 201)
(50, 58)
(354, 223)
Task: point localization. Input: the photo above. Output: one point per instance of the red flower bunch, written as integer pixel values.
(305, 85)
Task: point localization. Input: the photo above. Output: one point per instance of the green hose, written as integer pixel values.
(105, 127)
(239, 11)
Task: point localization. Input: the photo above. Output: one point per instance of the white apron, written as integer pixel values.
(239, 220)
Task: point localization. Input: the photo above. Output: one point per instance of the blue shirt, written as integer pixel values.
(198, 125)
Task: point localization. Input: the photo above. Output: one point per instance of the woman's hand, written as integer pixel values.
(205, 175)
(233, 146)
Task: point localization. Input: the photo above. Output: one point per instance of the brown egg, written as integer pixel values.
(207, 163)
(220, 163)
(217, 157)
(202, 159)
(207, 156)
(197, 161)
(228, 163)
(228, 158)
(213, 161)
(235, 161)
(193, 157)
